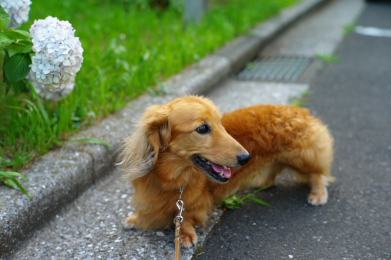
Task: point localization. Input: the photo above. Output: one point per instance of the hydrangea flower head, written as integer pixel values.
(48, 94)
(58, 53)
(18, 10)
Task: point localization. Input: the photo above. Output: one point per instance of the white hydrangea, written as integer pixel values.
(58, 53)
(18, 10)
(48, 94)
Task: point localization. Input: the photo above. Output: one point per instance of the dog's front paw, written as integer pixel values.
(188, 234)
(188, 240)
(317, 199)
(131, 221)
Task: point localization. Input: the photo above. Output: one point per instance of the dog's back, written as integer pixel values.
(280, 137)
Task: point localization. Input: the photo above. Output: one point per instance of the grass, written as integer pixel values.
(9, 179)
(329, 58)
(349, 29)
(128, 49)
(300, 100)
(235, 201)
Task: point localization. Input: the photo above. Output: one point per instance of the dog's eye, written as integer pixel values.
(204, 129)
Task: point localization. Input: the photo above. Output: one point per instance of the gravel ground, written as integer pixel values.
(91, 228)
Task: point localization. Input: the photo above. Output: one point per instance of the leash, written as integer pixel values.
(178, 221)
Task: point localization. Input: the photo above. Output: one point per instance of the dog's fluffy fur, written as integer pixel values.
(169, 150)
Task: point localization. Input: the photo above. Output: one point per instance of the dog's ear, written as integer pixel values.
(141, 149)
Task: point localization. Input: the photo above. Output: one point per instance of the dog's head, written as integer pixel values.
(190, 130)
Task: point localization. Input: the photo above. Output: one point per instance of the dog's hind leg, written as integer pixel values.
(318, 183)
(313, 167)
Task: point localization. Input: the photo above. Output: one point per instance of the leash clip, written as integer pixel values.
(180, 204)
(181, 207)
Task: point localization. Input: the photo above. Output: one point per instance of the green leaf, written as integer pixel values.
(13, 49)
(259, 201)
(18, 48)
(91, 141)
(17, 67)
(8, 162)
(5, 40)
(27, 49)
(328, 58)
(232, 202)
(13, 174)
(11, 178)
(260, 189)
(20, 87)
(6, 20)
(17, 34)
(10, 183)
(5, 60)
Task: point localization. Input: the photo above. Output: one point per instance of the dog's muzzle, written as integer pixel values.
(216, 172)
(243, 159)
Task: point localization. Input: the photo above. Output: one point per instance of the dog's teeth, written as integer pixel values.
(205, 160)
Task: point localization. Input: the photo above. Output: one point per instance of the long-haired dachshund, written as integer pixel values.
(187, 143)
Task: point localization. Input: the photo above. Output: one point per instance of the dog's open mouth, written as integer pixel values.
(213, 171)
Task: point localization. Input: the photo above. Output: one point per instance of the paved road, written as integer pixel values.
(354, 98)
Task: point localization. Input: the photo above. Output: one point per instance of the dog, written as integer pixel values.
(188, 143)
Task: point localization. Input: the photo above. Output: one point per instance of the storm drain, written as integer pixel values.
(276, 68)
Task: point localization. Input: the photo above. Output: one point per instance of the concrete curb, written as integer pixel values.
(60, 176)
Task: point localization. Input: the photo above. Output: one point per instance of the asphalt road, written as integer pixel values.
(354, 98)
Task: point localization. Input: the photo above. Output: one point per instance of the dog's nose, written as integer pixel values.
(243, 159)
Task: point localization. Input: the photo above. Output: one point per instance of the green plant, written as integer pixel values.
(235, 201)
(300, 101)
(328, 58)
(9, 179)
(348, 29)
(17, 47)
(306, 93)
(297, 102)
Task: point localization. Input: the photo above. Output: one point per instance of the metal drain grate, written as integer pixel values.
(276, 68)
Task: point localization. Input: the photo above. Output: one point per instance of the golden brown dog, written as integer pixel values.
(187, 143)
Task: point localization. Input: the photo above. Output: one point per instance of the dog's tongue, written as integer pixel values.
(220, 169)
